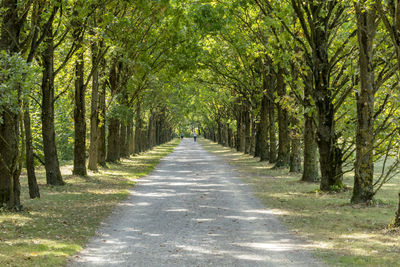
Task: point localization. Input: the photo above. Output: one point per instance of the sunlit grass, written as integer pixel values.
(58, 225)
(342, 234)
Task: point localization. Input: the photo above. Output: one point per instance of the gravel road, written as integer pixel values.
(192, 210)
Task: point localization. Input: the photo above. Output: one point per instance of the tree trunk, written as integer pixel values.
(101, 146)
(94, 112)
(123, 144)
(330, 154)
(397, 218)
(247, 128)
(131, 137)
(158, 131)
(310, 165)
(214, 136)
(9, 128)
(9, 173)
(113, 151)
(138, 129)
(153, 134)
(152, 129)
(52, 166)
(272, 132)
(226, 134)
(238, 129)
(79, 118)
(143, 139)
(295, 152)
(283, 123)
(231, 139)
(148, 133)
(30, 161)
(329, 151)
(252, 136)
(220, 130)
(363, 191)
(242, 136)
(264, 153)
(257, 148)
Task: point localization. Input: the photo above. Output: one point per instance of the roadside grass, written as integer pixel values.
(342, 234)
(59, 224)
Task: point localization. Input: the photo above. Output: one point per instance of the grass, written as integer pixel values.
(59, 224)
(342, 234)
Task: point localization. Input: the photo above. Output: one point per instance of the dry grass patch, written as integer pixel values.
(342, 234)
(59, 224)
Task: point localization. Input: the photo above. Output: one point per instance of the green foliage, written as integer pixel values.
(16, 79)
(209, 17)
(64, 128)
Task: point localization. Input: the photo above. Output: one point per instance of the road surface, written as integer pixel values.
(192, 210)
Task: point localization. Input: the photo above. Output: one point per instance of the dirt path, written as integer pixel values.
(193, 211)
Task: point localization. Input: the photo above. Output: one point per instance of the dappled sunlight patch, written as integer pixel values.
(177, 210)
(106, 191)
(201, 220)
(266, 167)
(14, 218)
(279, 212)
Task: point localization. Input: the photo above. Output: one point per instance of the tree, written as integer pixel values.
(12, 80)
(363, 190)
(319, 20)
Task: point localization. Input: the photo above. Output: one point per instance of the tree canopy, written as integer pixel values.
(309, 85)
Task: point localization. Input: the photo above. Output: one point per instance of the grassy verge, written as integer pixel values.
(342, 234)
(58, 225)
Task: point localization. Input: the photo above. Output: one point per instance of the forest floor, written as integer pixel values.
(193, 210)
(59, 224)
(342, 234)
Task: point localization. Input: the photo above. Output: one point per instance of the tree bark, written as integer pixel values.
(283, 124)
(252, 136)
(52, 165)
(9, 172)
(310, 165)
(30, 161)
(397, 217)
(143, 139)
(138, 129)
(79, 118)
(238, 128)
(113, 147)
(9, 128)
(94, 112)
(363, 191)
(329, 151)
(242, 136)
(264, 149)
(226, 134)
(123, 143)
(131, 137)
(231, 139)
(272, 132)
(247, 128)
(158, 131)
(295, 152)
(149, 131)
(101, 146)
